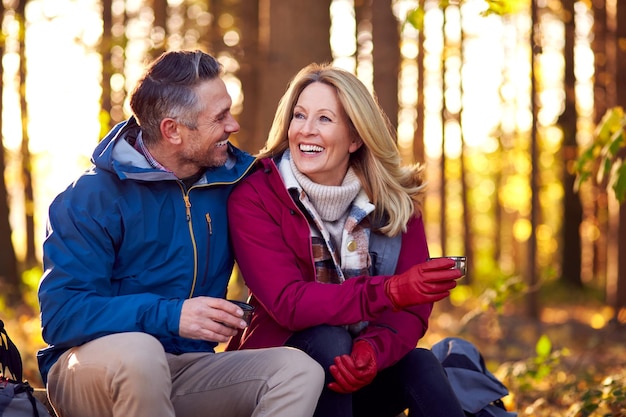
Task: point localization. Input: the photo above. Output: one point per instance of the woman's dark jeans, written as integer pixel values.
(417, 382)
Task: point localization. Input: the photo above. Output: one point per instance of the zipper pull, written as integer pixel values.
(187, 205)
(208, 221)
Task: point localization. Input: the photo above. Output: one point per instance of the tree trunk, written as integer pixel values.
(159, 28)
(9, 277)
(107, 67)
(249, 138)
(468, 248)
(419, 154)
(204, 27)
(600, 50)
(112, 50)
(30, 259)
(619, 298)
(443, 203)
(386, 57)
(572, 207)
(215, 34)
(531, 265)
(289, 39)
(603, 99)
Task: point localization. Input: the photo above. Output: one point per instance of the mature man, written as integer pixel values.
(137, 260)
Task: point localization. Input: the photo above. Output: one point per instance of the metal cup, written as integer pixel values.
(248, 310)
(460, 263)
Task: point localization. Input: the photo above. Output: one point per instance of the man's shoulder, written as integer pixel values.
(89, 184)
(94, 180)
(241, 158)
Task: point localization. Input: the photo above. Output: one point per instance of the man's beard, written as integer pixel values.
(209, 159)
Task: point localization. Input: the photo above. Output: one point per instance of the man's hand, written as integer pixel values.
(210, 319)
(353, 372)
(423, 283)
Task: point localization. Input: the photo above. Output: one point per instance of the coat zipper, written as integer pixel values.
(193, 239)
(208, 219)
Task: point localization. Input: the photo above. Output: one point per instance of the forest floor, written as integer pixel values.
(570, 362)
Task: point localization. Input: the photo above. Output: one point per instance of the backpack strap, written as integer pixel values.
(10, 358)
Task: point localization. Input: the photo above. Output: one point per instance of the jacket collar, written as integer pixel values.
(116, 153)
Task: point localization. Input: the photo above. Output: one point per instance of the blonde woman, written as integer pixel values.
(329, 238)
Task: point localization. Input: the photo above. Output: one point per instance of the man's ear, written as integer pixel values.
(170, 131)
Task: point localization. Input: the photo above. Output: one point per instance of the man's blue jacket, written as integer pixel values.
(126, 244)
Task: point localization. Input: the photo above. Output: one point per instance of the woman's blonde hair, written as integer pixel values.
(396, 191)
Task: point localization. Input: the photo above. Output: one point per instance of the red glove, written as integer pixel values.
(353, 372)
(423, 283)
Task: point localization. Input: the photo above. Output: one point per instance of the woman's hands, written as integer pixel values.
(427, 282)
(353, 372)
(423, 283)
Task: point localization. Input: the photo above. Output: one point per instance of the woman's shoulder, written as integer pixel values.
(259, 172)
(258, 180)
(416, 221)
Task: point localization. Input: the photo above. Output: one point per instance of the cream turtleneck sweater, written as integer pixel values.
(331, 202)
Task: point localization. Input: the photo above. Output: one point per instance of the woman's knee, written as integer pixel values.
(323, 343)
(422, 362)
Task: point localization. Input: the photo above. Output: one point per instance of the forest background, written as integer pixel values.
(502, 100)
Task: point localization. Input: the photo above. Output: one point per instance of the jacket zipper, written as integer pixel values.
(187, 205)
(208, 219)
(207, 216)
(193, 239)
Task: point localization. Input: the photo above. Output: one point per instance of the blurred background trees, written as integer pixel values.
(496, 98)
(499, 99)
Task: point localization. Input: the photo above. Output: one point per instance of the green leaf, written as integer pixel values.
(616, 142)
(605, 168)
(504, 7)
(612, 121)
(603, 157)
(416, 18)
(585, 159)
(580, 179)
(543, 347)
(619, 182)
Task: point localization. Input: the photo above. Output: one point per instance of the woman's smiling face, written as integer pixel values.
(319, 135)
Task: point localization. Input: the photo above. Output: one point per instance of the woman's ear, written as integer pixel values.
(355, 145)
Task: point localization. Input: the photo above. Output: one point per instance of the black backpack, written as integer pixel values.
(16, 395)
(10, 358)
